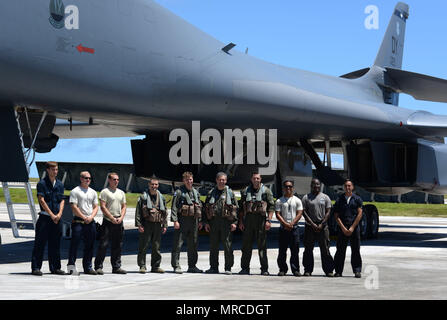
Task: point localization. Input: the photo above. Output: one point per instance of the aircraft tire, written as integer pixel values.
(372, 216)
(363, 225)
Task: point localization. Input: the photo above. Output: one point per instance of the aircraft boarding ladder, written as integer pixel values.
(10, 205)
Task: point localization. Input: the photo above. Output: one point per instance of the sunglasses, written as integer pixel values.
(288, 187)
(87, 178)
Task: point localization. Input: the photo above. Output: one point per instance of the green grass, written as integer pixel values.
(385, 208)
(19, 196)
(411, 209)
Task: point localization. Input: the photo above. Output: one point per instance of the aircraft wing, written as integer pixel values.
(426, 123)
(420, 86)
(100, 125)
(84, 130)
(356, 74)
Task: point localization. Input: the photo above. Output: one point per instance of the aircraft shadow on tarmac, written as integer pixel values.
(21, 252)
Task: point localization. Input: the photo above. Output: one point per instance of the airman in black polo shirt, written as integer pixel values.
(348, 213)
(50, 192)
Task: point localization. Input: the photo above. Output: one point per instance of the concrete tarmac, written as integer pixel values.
(408, 261)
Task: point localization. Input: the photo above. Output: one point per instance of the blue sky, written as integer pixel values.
(322, 36)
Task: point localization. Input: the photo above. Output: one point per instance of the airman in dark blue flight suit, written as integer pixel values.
(50, 192)
(348, 213)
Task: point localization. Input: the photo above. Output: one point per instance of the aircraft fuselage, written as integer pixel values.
(136, 59)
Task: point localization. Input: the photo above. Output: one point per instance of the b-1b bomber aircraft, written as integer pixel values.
(123, 68)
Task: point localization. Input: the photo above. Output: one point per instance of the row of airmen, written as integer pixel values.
(220, 215)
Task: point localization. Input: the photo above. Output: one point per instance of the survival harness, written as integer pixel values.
(192, 207)
(228, 209)
(153, 212)
(253, 201)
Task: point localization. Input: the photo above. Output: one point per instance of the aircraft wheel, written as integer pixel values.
(363, 225)
(332, 224)
(372, 215)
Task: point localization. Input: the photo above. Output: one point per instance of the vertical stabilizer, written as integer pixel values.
(392, 48)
